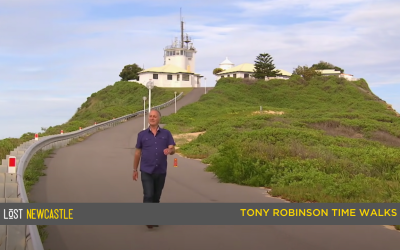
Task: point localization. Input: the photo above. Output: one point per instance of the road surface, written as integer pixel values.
(99, 169)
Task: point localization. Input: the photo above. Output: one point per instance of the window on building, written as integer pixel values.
(155, 76)
(177, 77)
(185, 77)
(169, 77)
(189, 54)
(222, 76)
(246, 75)
(173, 53)
(234, 75)
(181, 52)
(229, 76)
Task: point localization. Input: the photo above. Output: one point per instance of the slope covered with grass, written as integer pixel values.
(327, 140)
(116, 100)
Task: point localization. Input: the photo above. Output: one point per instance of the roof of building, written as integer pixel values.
(244, 67)
(226, 62)
(169, 68)
(248, 67)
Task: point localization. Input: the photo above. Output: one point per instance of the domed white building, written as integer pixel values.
(226, 64)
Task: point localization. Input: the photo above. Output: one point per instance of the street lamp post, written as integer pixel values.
(150, 86)
(175, 102)
(144, 112)
(205, 84)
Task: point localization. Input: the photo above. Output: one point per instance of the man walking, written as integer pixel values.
(152, 148)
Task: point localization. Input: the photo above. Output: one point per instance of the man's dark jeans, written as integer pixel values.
(153, 185)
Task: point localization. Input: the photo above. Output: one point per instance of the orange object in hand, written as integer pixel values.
(175, 162)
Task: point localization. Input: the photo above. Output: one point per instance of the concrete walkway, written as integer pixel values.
(99, 169)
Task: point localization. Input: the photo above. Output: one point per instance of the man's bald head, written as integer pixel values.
(154, 117)
(155, 111)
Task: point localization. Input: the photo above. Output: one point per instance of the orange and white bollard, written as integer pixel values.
(175, 162)
(36, 137)
(62, 131)
(80, 128)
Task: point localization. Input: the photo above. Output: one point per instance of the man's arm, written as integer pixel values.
(171, 144)
(138, 154)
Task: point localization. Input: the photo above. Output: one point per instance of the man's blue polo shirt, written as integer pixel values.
(153, 159)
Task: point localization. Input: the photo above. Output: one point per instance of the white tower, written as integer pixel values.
(226, 64)
(182, 53)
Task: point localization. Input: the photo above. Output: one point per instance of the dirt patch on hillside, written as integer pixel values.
(181, 139)
(185, 138)
(386, 139)
(268, 112)
(336, 129)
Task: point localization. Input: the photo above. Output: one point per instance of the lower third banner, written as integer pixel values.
(200, 214)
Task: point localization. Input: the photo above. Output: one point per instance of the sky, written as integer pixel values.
(55, 54)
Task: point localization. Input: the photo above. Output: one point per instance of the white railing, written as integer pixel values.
(32, 237)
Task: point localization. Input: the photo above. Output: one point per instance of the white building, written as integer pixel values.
(178, 69)
(226, 64)
(334, 72)
(349, 77)
(329, 72)
(246, 70)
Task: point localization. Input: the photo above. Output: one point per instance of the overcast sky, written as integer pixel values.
(54, 54)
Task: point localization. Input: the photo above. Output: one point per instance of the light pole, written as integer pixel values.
(144, 112)
(205, 84)
(150, 86)
(175, 102)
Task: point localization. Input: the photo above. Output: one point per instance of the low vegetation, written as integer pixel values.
(322, 140)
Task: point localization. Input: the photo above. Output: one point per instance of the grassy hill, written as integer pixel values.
(327, 140)
(116, 100)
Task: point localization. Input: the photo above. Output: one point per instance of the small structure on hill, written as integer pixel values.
(329, 72)
(334, 72)
(226, 64)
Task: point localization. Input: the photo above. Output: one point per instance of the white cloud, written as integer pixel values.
(302, 7)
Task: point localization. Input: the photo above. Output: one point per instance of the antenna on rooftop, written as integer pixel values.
(181, 28)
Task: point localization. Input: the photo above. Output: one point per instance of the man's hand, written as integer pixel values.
(167, 151)
(135, 175)
(170, 150)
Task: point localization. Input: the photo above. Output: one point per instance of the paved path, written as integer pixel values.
(100, 170)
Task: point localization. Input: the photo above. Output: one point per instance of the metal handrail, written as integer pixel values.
(33, 234)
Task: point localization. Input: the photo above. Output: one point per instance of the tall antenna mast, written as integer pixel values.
(181, 28)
